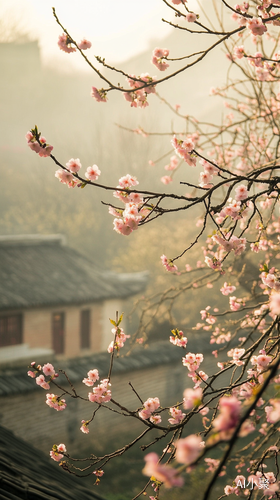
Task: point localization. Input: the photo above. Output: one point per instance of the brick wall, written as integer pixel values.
(30, 418)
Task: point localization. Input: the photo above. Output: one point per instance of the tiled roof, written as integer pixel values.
(42, 271)
(26, 473)
(15, 380)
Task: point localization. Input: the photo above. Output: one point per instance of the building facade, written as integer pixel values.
(54, 301)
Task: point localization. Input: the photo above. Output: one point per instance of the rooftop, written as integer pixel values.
(27, 473)
(41, 270)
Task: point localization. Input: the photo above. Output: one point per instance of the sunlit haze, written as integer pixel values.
(118, 30)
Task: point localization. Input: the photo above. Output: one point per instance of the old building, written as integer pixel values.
(55, 301)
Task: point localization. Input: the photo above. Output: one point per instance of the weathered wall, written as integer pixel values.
(30, 418)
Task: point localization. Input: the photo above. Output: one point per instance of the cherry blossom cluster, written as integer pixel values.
(176, 415)
(184, 148)
(158, 58)
(138, 98)
(91, 378)
(55, 402)
(38, 143)
(66, 44)
(206, 176)
(150, 406)
(101, 393)
(168, 264)
(67, 175)
(58, 451)
(127, 219)
(42, 372)
(119, 339)
(178, 338)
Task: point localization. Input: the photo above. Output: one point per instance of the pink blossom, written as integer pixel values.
(178, 338)
(64, 44)
(192, 361)
(273, 412)
(48, 370)
(274, 303)
(161, 472)
(192, 397)
(155, 419)
(55, 402)
(158, 57)
(127, 181)
(256, 26)
(84, 44)
(227, 289)
(228, 418)
(63, 176)
(166, 179)
(191, 17)
(99, 95)
(57, 452)
(188, 449)
(101, 394)
(239, 51)
(84, 427)
(42, 382)
(177, 415)
(74, 165)
(92, 173)
(241, 192)
(31, 374)
(168, 264)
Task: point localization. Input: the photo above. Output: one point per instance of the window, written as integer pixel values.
(10, 330)
(85, 329)
(58, 321)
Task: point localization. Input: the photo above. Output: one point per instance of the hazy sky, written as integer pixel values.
(118, 29)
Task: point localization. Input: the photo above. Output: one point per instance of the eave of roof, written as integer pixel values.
(41, 271)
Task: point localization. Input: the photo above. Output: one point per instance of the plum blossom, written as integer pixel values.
(227, 289)
(101, 393)
(92, 173)
(38, 143)
(177, 415)
(178, 338)
(188, 449)
(192, 361)
(274, 303)
(99, 95)
(191, 17)
(273, 412)
(228, 418)
(48, 370)
(92, 377)
(84, 44)
(40, 380)
(168, 264)
(184, 149)
(236, 355)
(256, 26)
(120, 338)
(84, 427)
(55, 402)
(74, 165)
(150, 406)
(241, 193)
(57, 452)
(158, 58)
(166, 179)
(192, 397)
(64, 44)
(163, 473)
